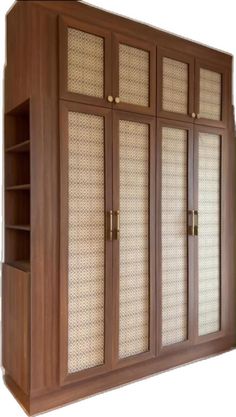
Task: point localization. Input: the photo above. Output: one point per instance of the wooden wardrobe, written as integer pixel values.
(119, 202)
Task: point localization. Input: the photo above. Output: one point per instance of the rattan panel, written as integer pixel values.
(175, 86)
(210, 94)
(134, 238)
(86, 242)
(85, 63)
(174, 236)
(209, 233)
(133, 75)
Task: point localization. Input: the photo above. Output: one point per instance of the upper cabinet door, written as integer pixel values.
(134, 75)
(211, 93)
(175, 75)
(85, 63)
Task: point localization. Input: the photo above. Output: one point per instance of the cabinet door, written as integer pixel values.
(211, 94)
(85, 62)
(134, 74)
(175, 237)
(208, 201)
(133, 247)
(86, 251)
(175, 86)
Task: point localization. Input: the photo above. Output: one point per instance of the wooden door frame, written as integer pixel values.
(66, 22)
(176, 347)
(65, 108)
(181, 57)
(135, 42)
(224, 274)
(225, 80)
(135, 359)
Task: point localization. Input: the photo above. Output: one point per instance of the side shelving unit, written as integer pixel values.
(17, 187)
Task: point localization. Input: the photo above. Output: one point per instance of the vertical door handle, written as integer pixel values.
(117, 225)
(195, 223)
(193, 227)
(110, 225)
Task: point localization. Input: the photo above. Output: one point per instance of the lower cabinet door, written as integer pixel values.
(134, 239)
(175, 244)
(86, 251)
(210, 286)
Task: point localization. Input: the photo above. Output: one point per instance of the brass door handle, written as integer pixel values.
(117, 224)
(195, 223)
(193, 227)
(117, 100)
(110, 227)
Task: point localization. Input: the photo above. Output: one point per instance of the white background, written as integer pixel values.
(206, 387)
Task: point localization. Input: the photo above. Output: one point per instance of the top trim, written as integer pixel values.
(156, 28)
(114, 22)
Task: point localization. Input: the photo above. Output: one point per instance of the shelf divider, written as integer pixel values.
(24, 227)
(18, 187)
(20, 147)
(24, 265)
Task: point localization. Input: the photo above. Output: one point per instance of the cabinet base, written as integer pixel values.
(65, 395)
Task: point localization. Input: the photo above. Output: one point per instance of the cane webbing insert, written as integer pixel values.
(174, 236)
(210, 94)
(209, 233)
(86, 242)
(175, 86)
(85, 63)
(134, 238)
(133, 75)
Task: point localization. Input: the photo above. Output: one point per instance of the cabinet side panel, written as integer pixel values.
(17, 70)
(44, 201)
(16, 321)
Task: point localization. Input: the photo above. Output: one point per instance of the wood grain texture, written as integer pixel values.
(44, 200)
(126, 375)
(150, 121)
(183, 58)
(64, 24)
(66, 107)
(33, 43)
(129, 27)
(16, 326)
(150, 48)
(18, 65)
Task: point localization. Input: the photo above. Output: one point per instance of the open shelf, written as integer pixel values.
(25, 227)
(23, 265)
(20, 147)
(17, 125)
(18, 187)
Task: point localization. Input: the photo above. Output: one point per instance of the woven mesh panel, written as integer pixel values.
(174, 236)
(85, 63)
(209, 233)
(175, 86)
(134, 238)
(133, 75)
(210, 94)
(86, 242)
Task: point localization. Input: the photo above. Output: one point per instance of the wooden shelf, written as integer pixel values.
(20, 147)
(24, 265)
(18, 187)
(24, 227)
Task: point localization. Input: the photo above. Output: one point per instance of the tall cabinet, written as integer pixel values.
(119, 202)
